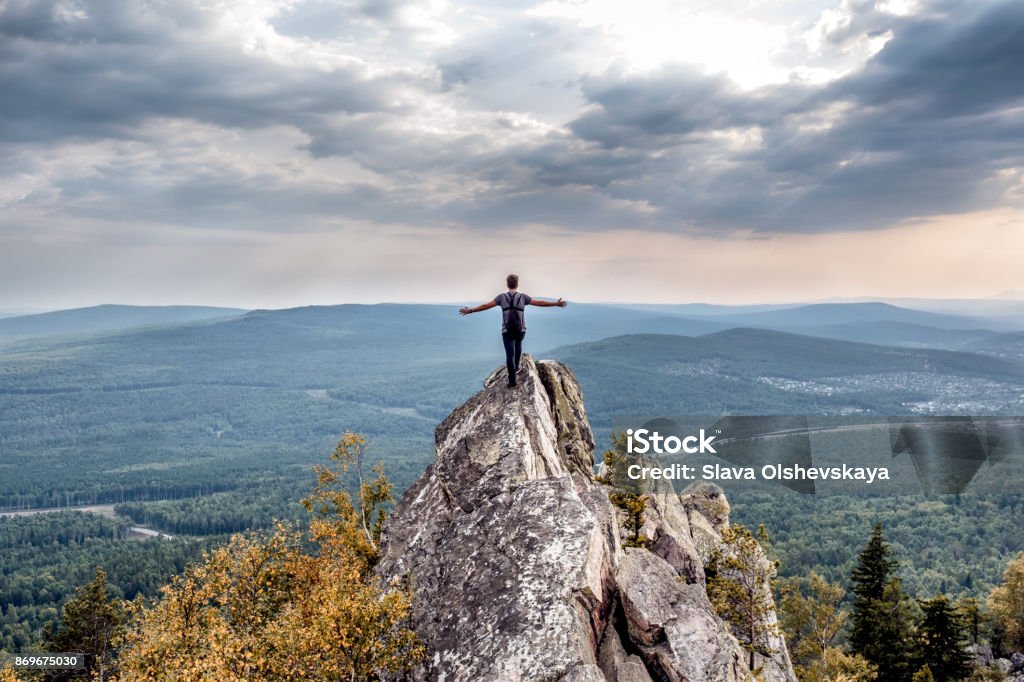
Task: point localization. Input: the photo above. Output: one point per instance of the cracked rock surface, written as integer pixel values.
(515, 555)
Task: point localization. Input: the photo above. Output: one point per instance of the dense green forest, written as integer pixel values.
(216, 406)
(228, 512)
(47, 556)
(208, 428)
(946, 546)
(761, 372)
(107, 317)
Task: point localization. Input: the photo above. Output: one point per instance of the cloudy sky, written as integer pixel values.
(268, 153)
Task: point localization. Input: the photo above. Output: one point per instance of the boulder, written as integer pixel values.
(981, 654)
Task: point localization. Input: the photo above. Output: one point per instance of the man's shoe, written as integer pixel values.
(512, 384)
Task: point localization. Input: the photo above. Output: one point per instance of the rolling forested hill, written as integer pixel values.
(106, 318)
(753, 371)
(210, 405)
(212, 425)
(847, 313)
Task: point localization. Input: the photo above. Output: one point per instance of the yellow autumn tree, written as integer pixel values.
(344, 626)
(352, 527)
(1006, 604)
(812, 617)
(7, 674)
(211, 623)
(261, 608)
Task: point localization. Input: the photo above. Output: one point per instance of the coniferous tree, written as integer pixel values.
(93, 618)
(941, 636)
(627, 494)
(970, 611)
(874, 569)
(739, 586)
(882, 620)
(897, 654)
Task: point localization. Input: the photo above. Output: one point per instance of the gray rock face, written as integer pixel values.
(981, 654)
(672, 623)
(668, 531)
(515, 554)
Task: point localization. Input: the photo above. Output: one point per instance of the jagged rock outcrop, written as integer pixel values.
(516, 559)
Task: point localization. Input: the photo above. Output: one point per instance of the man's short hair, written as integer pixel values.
(512, 281)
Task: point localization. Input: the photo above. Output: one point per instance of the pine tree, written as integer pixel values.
(874, 569)
(897, 655)
(627, 494)
(92, 620)
(969, 610)
(941, 636)
(739, 586)
(882, 620)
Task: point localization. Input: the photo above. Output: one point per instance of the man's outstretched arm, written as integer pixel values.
(482, 306)
(549, 304)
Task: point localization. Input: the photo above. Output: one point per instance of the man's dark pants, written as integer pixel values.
(513, 350)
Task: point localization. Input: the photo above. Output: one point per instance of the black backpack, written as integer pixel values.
(514, 321)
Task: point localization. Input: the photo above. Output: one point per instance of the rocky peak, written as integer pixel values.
(516, 559)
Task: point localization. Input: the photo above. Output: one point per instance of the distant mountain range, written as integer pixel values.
(102, 318)
(170, 406)
(758, 371)
(849, 313)
(1009, 345)
(1009, 307)
(867, 322)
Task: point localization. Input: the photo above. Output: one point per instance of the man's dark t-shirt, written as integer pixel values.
(505, 301)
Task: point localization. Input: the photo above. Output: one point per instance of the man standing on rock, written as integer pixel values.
(513, 321)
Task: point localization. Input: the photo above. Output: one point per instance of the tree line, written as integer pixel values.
(889, 636)
(291, 603)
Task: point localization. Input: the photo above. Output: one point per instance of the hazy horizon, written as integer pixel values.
(1003, 297)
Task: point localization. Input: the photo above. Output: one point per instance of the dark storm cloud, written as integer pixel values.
(922, 129)
(119, 63)
(677, 102)
(932, 120)
(959, 64)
